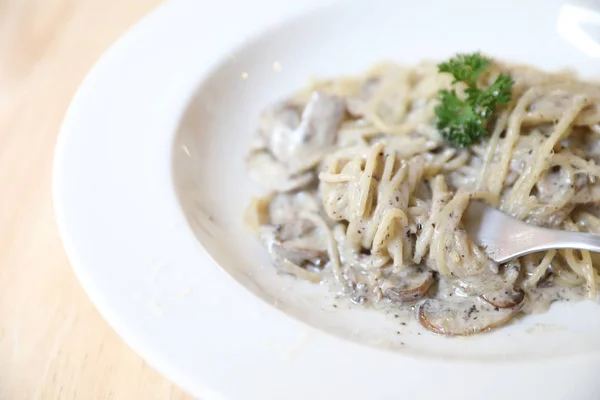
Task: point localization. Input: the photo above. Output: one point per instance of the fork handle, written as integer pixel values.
(576, 240)
(537, 239)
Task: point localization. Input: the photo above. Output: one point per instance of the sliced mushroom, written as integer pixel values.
(504, 299)
(499, 289)
(273, 175)
(466, 317)
(503, 293)
(408, 286)
(289, 145)
(301, 147)
(296, 247)
(301, 243)
(357, 106)
(280, 118)
(286, 207)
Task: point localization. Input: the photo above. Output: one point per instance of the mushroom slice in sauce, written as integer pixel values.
(273, 175)
(499, 288)
(280, 119)
(462, 318)
(296, 247)
(287, 207)
(505, 299)
(301, 242)
(357, 106)
(303, 146)
(408, 286)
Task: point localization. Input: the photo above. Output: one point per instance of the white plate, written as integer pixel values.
(149, 185)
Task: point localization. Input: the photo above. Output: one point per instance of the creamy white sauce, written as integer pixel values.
(368, 199)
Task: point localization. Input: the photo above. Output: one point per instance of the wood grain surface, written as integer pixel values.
(53, 343)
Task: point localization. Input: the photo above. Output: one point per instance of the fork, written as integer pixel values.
(504, 238)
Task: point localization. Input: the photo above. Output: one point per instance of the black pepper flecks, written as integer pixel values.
(472, 310)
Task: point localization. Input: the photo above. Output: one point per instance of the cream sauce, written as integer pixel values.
(366, 196)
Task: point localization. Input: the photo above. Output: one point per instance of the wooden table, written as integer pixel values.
(53, 343)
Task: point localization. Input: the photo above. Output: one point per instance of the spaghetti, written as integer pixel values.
(364, 190)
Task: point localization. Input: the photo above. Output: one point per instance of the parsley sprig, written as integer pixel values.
(463, 122)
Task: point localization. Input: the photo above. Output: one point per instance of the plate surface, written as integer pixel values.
(150, 187)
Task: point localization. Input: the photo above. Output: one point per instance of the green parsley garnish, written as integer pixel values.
(463, 122)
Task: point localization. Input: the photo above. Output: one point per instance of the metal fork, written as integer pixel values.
(504, 238)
